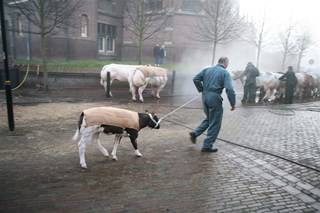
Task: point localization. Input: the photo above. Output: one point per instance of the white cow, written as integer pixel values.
(144, 75)
(268, 83)
(316, 86)
(119, 72)
(308, 85)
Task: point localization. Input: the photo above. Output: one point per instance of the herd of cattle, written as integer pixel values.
(268, 85)
(270, 88)
(138, 77)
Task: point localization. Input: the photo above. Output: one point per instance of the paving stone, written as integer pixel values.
(291, 190)
(280, 172)
(278, 182)
(306, 198)
(315, 191)
(291, 178)
(267, 176)
(305, 186)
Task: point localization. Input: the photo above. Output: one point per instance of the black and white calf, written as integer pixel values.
(110, 120)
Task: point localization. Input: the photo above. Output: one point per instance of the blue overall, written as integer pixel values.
(211, 82)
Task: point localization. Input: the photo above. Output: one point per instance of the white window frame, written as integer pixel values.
(84, 26)
(102, 47)
(110, 48)
(20, 26)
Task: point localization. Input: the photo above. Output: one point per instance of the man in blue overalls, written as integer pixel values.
(211, 81)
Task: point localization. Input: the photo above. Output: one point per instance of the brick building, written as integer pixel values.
(98, 33)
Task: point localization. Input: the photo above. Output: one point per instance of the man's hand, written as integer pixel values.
(233, 108)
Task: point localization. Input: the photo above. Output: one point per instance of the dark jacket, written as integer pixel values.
(156, 51)
(251, 73)
(290, 78)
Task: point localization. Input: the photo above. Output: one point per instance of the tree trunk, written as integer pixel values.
(299, 61)
(258, 58)
(44, 62)
(214, 53)
(140, 51)
(43, 45)
(283, 61)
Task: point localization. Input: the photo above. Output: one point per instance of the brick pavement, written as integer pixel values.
(40, 169)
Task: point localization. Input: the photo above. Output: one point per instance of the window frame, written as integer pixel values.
(107, 37)
(190, 6)
(155, 5)
(19, 25)
(110, 47)
(101, 46)
(84, 25)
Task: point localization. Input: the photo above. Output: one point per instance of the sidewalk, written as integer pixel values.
(40, 169)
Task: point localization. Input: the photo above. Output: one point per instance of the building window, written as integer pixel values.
(191, 5)
(20, 25)
(154, 5)
(84, 26)
(107, 35)
(102, 41)
(110, 45)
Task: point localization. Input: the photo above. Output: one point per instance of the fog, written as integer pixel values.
(278, 14)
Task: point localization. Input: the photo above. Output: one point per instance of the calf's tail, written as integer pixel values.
(76, 135)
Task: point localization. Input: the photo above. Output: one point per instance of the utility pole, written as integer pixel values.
(6, 69)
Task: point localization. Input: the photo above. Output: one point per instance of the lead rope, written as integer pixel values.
(157, 123)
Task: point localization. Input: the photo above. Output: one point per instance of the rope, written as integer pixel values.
(177, 109)
(24, 79)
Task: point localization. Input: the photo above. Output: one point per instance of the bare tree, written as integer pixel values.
(303, 43)
(220, 24)
(143, 18)
(258, 37)
(287, 45)
(47, 16)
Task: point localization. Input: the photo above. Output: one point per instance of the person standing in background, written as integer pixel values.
(249, 89)
(162, 54)
(291, 81)
(156, 55)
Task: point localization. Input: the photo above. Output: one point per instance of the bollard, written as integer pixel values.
(108, 85)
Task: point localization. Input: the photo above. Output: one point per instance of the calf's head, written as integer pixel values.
(153, 121)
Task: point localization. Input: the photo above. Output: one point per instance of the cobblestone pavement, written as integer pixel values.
(268, 159)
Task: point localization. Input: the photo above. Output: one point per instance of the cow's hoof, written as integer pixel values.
(114, 158)
(84, 166)
(137, 153)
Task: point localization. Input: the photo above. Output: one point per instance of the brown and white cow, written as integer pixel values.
(144, 75)
(137, 76)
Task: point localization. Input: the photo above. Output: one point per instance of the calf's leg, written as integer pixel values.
(86, 138)
(117, 139)
(96, 141)
(133, 138)
(82, 150)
